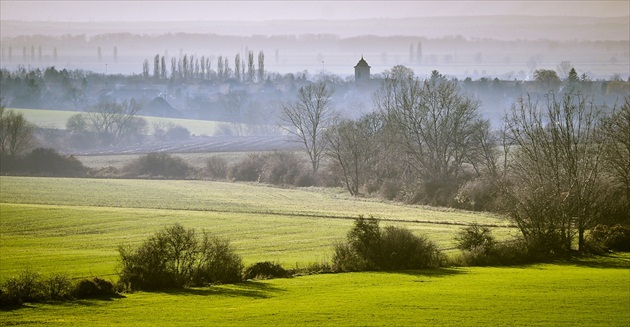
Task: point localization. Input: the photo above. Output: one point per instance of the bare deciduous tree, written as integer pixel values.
(353, 145)
(616, 138)
(555, 169)
(112, 121)
(437, 127)
(16, 133)
(308, 117)
(234, 103)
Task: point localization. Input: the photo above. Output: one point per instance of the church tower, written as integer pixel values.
(361, 71)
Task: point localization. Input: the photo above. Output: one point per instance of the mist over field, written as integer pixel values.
(507, 47)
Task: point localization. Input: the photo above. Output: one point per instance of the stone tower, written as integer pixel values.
(361, 71)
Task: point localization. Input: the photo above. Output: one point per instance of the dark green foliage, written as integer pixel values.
(158, 165)
(263, 270)
(607, 238)
(58, 287)
(165, 260)
(218, 263)
(513, 252)
(30, 287)
(175, 258)
(27, 287)
(93, 288)
(400, 249)
(369, 247)
(475, 236)
(42, 161)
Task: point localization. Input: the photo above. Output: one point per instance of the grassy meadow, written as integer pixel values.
(582, 294)
(74, 226)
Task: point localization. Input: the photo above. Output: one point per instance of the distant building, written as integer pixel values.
(361, 71)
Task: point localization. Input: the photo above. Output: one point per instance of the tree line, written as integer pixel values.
(557, 167)
(190, 67)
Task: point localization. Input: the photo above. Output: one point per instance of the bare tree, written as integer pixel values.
(616, 138)
(16, 133)
(234, 104)
(437, 127)
(354, 147)
(113, 122)
(308, 117)
(555, 169)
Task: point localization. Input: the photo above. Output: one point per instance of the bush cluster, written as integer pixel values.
(369, 247)
(158, 165)
(277, 168)
(176, 257)
(265, 270)
(216, 167)
(609, 238)
(479, 248)
(44, 162)
(31, 287)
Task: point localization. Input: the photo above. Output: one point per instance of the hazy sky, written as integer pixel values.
(50, 10)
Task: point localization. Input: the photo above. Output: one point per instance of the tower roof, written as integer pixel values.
(362, 63)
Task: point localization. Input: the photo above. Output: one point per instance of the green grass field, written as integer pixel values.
(75, 226)
(583, 294)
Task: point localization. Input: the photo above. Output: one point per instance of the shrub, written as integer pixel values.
(158, 165)
(247, 170)
(174, 258)
(615, 238)
(48, 162)
(277, 168)
(478, 194)
(27, 287)
(390, 189)
(58, 287)
(216, 167)
(369, 247)
(513, 252)
(92, 288)
(264, 270)
(282, 168)
(165, 260)
(218, 263)
(177, 133)
(345, 259)
(476, 237)
(403, 250)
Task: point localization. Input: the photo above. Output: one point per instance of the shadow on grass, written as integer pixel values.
(613, 260)
(249, 289)
(94, 301)
(437, 272)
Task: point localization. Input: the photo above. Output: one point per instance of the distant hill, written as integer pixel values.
(498, 27)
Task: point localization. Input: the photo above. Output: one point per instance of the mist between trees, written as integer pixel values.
(556, 164)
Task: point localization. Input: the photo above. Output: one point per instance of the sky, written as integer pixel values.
(162, 10)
